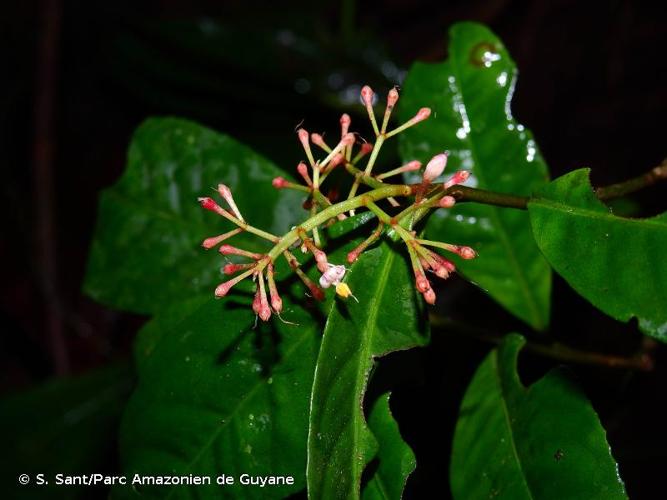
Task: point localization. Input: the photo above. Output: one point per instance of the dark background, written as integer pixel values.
(79, 77)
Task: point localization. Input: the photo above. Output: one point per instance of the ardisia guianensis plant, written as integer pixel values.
(221, 393)
(348, 153)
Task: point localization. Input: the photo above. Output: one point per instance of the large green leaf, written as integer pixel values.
(470, 95)
(395, 458)
(388, 317)
(65, 426)
(217, 396)
(146, 251)
(618, 264)
(540, 442)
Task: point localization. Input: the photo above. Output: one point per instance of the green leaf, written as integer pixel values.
(66, 426)
(217, 395)
(146, 250)
(540, 442)
(388, 317)
(470, 95)
(396, 460)
(617, 264)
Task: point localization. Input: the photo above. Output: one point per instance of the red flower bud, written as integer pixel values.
(279, 183)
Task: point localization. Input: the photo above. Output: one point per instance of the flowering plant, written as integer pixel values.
(424, 197)
(220, 391)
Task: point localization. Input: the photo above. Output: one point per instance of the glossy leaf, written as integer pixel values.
(67, 426)
(146, 250)
(618, 264)
(470, 95)
(395, 458)
(388, 317)
(539, 442)
(217, 395)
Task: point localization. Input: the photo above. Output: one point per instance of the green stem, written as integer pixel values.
(332, 211)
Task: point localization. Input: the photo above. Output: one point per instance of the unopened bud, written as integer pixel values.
(392, 98)
(412, 166)
(233, 268)
(345, 121)
(422, 283)
(264, 311)
(422, 115)
(276, 303)
(226, 195)
(318, 140)
(458, 178)
(302, 168)
(222, 289)
(367, 96)
(209, 204)
(467, 253)
(429, 296)
(303, 136)
(366, 148)
(447, 202)
(348, 139)
(435, 167)
(279, 183)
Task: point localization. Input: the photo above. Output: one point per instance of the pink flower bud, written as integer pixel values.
(467, 253)
(412, 166)
(230, 250)
(279, 183)
(366, 148)
(348, 139)
(303, 136)
(226, 195)
(302, 168)
(233, 268)
(458, 178)
(223, 288)
(318, 140)
(421, 115)
(440, 270)
(256, 302)
(422, 283)
(435, 167)
(276, 303)
(345, 121)
(392, 98)
(447, 202)
(353, 255)
(429, 296)
(367, 96)
(215, 240)
(264, 311)
(209, 204)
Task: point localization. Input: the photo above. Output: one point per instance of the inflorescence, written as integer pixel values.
(346, 154)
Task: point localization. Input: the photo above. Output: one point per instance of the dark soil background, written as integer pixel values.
(79, 77)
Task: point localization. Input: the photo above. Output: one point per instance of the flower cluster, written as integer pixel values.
(347, 153)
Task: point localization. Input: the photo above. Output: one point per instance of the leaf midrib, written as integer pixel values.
(524, 285)
(365, 362)
(572, 210)
(237, 409)
(508, 422)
